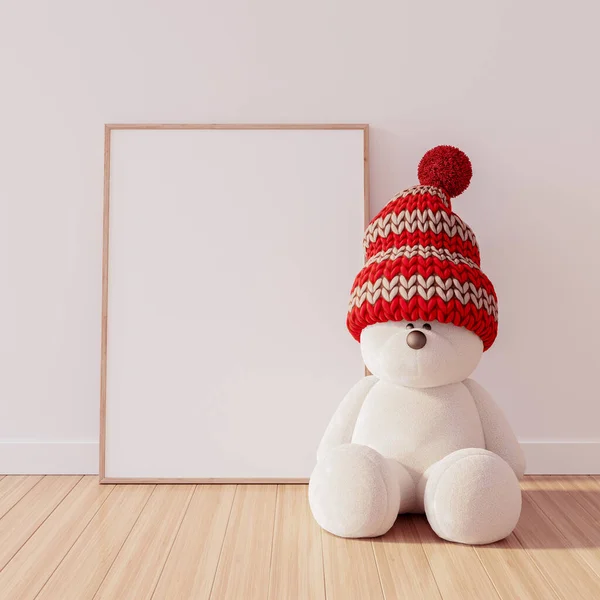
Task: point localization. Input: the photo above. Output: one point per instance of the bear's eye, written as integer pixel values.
(427, 326)
(410, 326)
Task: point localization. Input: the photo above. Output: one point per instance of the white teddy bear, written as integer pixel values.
(418, 435)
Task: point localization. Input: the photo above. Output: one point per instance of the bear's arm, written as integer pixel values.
(340, 428)
(499, 436)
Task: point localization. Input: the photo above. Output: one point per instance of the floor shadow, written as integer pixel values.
(571, 519)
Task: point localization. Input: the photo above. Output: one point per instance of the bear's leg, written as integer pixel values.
(356, 492)
(471, 496)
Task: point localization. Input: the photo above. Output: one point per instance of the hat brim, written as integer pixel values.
(415, 286)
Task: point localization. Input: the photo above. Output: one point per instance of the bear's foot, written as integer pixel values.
(471, 496)
(355, 492)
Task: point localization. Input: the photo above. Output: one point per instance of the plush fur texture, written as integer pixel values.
(449, 356)
(419, 436)
(356, 491)
(471, 496)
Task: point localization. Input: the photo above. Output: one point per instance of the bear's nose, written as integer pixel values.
(416, 339)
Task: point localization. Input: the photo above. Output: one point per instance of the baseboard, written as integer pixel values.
(81, 458)
(562, 458)
(48, 458)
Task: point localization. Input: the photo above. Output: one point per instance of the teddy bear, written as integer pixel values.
(419, 435)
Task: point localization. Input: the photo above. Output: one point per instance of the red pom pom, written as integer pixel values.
(446, 167)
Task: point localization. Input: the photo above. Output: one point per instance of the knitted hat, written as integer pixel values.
(422, 260)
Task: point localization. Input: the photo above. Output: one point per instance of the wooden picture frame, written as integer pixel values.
(109, 129)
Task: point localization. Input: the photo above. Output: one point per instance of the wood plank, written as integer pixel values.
(350, 569)
(588, 492)
(191, 566)
(30, 568)
(583, 488)
(513, 572)
(17, 526)
(575, 499)
(80, 574)
(456, 567)
(583, 482)
(586, 489)
(151, 538)
(562, 568)
(580, 528)
(243, 569)
(549, 482)
(402, 563)
(13, 488)
(553, 553)
(297, 563)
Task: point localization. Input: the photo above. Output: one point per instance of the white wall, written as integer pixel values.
(511, 82)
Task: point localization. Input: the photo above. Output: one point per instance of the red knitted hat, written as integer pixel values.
(422, 260)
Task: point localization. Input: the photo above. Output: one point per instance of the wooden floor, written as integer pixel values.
(66, 537)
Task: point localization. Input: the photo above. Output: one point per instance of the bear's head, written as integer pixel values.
(420, 354)
(421, 306)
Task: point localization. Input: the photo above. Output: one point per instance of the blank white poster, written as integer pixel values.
(231, 256)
